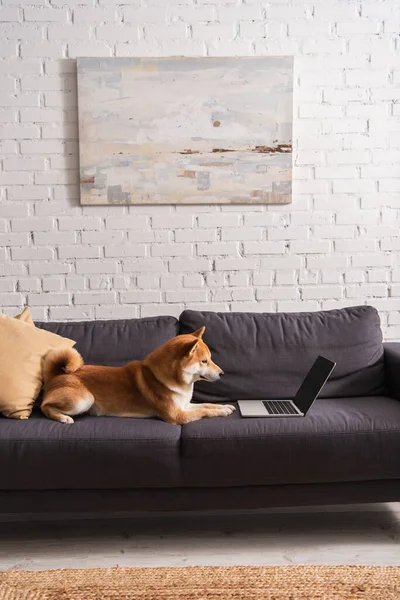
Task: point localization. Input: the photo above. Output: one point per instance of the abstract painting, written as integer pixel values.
(185, 130)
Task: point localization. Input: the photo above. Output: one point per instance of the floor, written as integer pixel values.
(358, 535)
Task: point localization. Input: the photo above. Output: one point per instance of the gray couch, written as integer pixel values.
(347, 448)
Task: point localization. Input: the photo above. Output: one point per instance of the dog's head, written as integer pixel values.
(183, 360)
(196, 360)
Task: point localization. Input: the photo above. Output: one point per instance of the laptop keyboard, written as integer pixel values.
(279, 407)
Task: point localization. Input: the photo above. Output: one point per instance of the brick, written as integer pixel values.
(91, 48)
(19, 131)
(10, 13)
(219, 220)
(23, 164)
(84, 15)
(259, 219)
(45, 14)
(288, 233)
(140, 296)
(118, 33)
(13, 299)
(212, 31)
(238, 279)
(353, 186)
(32, 224)
(41, 147)
(389, 185)
(276, 247)
(103, 237)
(372, 260)
(125, 250)
(153, 310)
(14, 177)
(258, 307)
(162, 32)
(320, 292)
(354, 276)
(52, 284)
(334, 231)
(28, 284)
(378, 275)
(358, 27)
(94, 297)
(143, 266)
(31, 253)
(75, 283)
(37, 50)
(148, 281)
(297, 306)
(8, 147)
(195, 235)
(128, 222)
(7, 84)
(358, 245)
(98, 266)
(49, 299)
(77, 252)
(171, 249)
(281, 262)
(195, 280)
(42, 268)
(171, 282)
(216, 279)
(252, 29)
(367, 291)
(277, 293)
(305, 247)
(232, 264)
(217, 249)
(71, 313)
(102, 282)
(241, 234)
(186, 296)
(14, 239)
(7, 285)
(79, 224)
(54, 239)
(117, 312)
(9, 209)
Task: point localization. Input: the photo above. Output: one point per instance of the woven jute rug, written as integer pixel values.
(208, 583)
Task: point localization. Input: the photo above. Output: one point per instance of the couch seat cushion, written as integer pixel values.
(346, 439)
(92, 453)
(267, 355)
(116, 343)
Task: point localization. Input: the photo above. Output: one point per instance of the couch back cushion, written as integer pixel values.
(267, 355)
(115, 343)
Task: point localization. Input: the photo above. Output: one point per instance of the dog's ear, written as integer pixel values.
(190, 348)
(199, 332)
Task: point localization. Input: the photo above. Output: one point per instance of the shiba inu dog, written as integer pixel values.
(159, 386)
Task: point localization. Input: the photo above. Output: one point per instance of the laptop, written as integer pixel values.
(309, 390)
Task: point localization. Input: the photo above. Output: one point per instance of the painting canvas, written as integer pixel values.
(185, 130)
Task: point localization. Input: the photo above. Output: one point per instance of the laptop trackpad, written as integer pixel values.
(252, 408)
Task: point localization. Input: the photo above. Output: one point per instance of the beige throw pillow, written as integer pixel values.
(22, 348)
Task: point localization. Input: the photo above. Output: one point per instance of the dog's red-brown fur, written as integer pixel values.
(159, 386)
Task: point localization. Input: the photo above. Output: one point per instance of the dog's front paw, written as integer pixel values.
(227, 410)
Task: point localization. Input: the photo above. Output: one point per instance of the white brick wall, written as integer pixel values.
(338, 244)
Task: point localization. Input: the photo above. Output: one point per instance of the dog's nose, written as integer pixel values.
(221, 373)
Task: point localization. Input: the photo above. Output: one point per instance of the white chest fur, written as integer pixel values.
(182, 398)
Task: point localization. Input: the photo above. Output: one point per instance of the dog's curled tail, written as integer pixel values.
(60, 361)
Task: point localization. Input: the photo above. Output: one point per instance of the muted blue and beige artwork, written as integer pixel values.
(185, 130)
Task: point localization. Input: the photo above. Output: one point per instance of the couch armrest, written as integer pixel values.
(392, 368)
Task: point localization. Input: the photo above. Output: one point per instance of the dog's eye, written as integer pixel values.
(204, 361)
